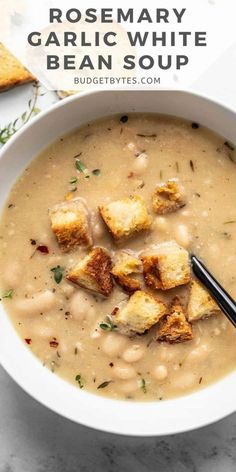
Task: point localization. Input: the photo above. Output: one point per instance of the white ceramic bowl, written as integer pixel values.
(138, 418)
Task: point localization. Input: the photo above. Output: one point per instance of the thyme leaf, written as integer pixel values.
(108, 324)
(8, 294)
(58, 273)
(80, 166)
(7, 131)
(104, 384)
(78, 379)
(143, 386)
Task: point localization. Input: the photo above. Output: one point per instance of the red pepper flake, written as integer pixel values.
(28, 341)
(54, 343)
(42, 249)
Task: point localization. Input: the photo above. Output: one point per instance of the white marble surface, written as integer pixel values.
(33, 439)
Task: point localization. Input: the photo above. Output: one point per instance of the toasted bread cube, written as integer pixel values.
(93, 272)
(174, 328)
(70, 223)
(201, 304)
(166, 266)
(126, 217)
(168, 197)
(140, 313)
(125, 265)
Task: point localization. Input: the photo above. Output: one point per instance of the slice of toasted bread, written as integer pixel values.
(174, 328)
(12, 72)
(201, 304)
(142, 311)
(93, 272)
(125, 267)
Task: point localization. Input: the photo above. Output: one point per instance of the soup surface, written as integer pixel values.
(65, 325)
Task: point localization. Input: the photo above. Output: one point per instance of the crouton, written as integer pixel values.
(13, 73)
(70, 223)
(140, 313)
(166, 266)
(126, 217)
(93, 272)
(168, 197)
(200, 304)
(174, 327)
(125, 265)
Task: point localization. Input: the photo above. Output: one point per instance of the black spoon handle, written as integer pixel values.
(222, 298)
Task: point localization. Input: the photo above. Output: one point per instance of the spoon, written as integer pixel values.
(222, 298)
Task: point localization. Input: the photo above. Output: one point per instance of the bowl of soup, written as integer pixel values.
(104, 197)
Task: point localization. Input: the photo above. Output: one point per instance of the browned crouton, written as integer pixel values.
(200, 304)
(70, 223)
(125, 265)
(140, 313)
(166, 266)
(93, 272)
(174, 328)
(168, 197)
(12, 72)
(126, 217)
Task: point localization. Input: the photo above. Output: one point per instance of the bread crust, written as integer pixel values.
(12, 72)
(174, 327)
(200, 304)
(70, 224)
(125, 217)
(93, 272)
(168, 197)
(142, 311)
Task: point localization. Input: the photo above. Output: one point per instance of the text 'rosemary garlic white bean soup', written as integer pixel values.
(95, 272)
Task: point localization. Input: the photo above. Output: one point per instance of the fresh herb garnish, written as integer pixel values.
(58, 273)
(96, 172)
(8, 294)
(146, 135)
(143, 386)
(191, 165)
(104, 384)
(73, 180)
(78, 379)
(10, 129)
(80, 166)
(108, 324)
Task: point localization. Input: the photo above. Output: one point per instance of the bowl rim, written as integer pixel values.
(202, 398)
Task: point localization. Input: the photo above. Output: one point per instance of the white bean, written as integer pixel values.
(39, 303)
(38, 329)
(161, 224)
(198, 354)
(134, 353)
(81, 306)
(98, 230)
(67, 289)
(140, 164)
(184, 380)
(182, 235)
(129, 386)
(124, 371)
(160, 372)
(114, 344)
(12, 274)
